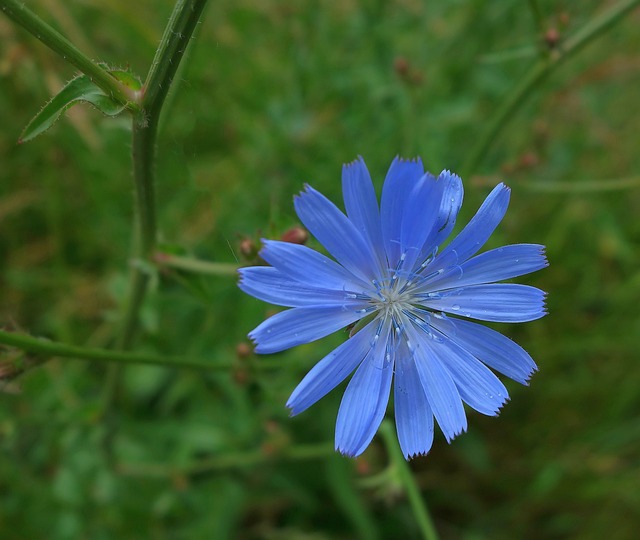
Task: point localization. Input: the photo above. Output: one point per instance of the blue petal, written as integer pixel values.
(396, 192)
(365, 399)
(477, 385)
(449, 208)
(336, 233)
(361, 205)
(414, 417)
(482, 225)
(494, 349)
(271, 285)
(332, 370)
(306, 265)
(439, 213)
(300, 325)
(495, 265)
(498, 302)
(438, 385)
(419, 218)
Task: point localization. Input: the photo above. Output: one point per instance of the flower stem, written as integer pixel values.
(47, 348)
(164, 260)
(143, 157)
(538, 73)
(173, 44)
(405, 475)
(26, 18)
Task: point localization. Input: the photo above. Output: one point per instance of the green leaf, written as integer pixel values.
(79, 89)
(127, 78)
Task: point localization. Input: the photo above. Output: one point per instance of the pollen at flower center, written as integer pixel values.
(393, 299)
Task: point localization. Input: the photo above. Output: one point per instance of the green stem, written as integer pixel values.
(173, 44)
(405, 475)
(22, 15)
(143, 156)
(45, 347)
(538, 72)
(196, 265)
(179, 30)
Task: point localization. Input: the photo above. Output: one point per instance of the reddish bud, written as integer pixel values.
(243, 350)
(363, 467)
(529, 159)
(271, 426)
(564, 18)
(240, 376)
(248, 248)
(552, 37)
(295, 235)
(268, 449)
(401, 66)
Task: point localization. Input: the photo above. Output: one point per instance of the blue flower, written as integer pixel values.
(411, 299)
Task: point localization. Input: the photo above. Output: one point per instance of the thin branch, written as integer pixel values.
(173, 45)
(196, 266)
(26, 18)
(47, 348)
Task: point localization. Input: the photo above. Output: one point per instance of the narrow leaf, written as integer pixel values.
(79, 89)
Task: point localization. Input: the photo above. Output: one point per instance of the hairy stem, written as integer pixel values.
(173, 44)
(23, 16)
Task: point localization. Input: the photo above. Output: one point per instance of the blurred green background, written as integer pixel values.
(273, 95)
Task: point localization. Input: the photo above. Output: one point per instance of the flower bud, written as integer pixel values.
(295, 235)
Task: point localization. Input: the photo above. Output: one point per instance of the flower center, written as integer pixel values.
(397, 295)
(392, 299)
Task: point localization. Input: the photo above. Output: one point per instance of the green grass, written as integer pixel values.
(273, 95)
